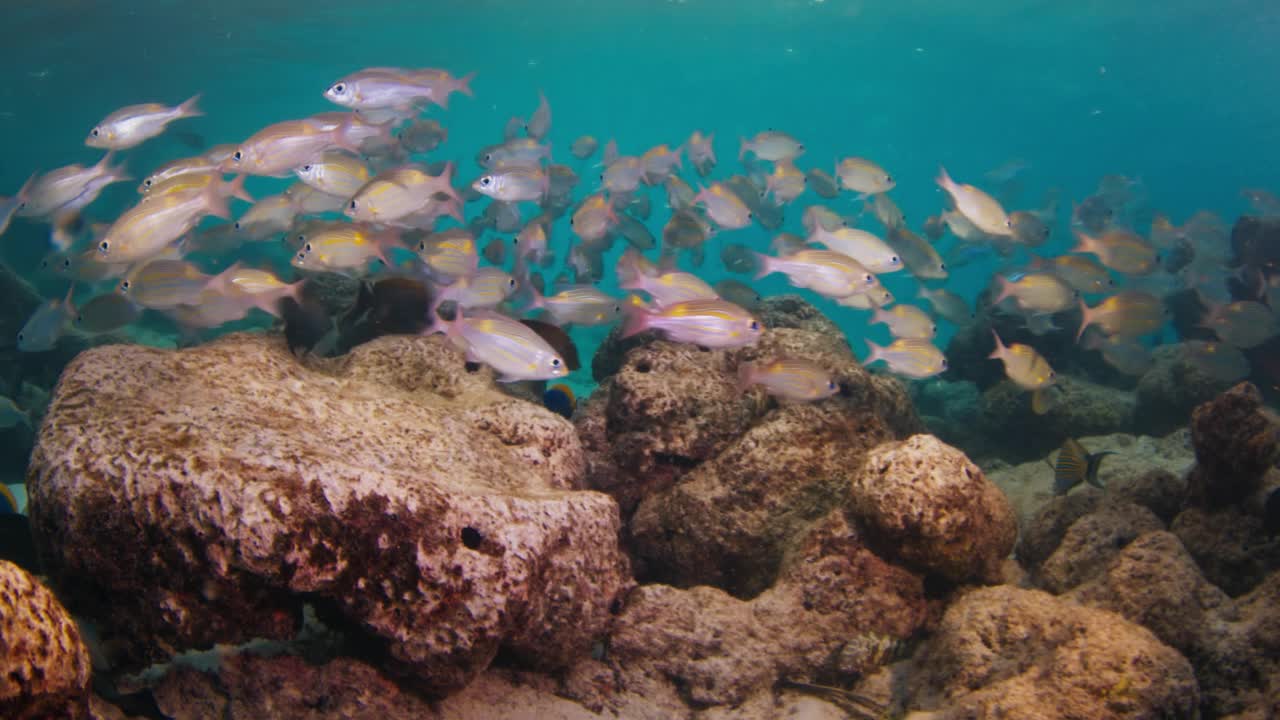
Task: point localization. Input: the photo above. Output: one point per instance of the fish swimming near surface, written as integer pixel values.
(1076, 465)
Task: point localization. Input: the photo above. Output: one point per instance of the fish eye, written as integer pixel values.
(511, 282)
(755, 325)
(486, 180)
(238, 156)
(125, 285)
(489, 156)
(339, 89)
(66, 264)
(236, 225)
(942, 267)
(944, 365)
(147, 182)
(104, 246)
(888, 178)
(94, 132)
(306, 168)
(831, 384)
(353, 204)
(869, 278)
(22, 336)
(422, 245)
(555, 362)
(895, 260)
(307, 248)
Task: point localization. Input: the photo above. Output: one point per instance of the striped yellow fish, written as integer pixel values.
(789, 378)
(1076, 465)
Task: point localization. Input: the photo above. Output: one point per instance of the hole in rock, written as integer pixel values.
(643, 367)
(472, 367)
(471, 537)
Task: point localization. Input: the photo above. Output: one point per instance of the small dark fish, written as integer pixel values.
(193, 140)
(401, 306)
(738, 258)
(305, 323)
(739, 294)
(640, 206)
(496, 251)
(636, 232)
(822, 183)
(1076, 465)
(558, 339)
(107, 312)
(934, 228)
(560, 399)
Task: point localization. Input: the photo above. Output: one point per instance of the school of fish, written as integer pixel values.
(360, 195)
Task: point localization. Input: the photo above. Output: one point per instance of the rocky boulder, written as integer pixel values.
(44, 665)
(1006, 652)
(186, 498)
(1236, 442)
(924, 502)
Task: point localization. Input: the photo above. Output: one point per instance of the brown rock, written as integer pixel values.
(831, 593)
(1002, 652)
(198, 497)
(1230, 546)
(926, 503)
(44, 665)
(1158, 490)
(1042, 535)
(1235, 444)
(1091, 542)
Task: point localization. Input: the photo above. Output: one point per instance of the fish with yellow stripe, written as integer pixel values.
(709, 323)
(513, 349)
(788, 378)
(1076, 465)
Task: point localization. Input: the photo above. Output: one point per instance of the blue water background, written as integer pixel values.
(1177, 93)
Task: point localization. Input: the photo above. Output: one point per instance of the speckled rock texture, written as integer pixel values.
(44, 665)
(1169, 391)
(1093, 541)
(193, 497)
(1081, 408)
(1004, 652)
(924, 502)
(1235, 444)
(714, 480)
(833, 604)
(1230, 546)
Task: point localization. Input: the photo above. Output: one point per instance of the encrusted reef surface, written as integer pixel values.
(194, 497)
(684, 549)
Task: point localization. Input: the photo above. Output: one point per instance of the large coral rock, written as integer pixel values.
(1231, 547)
(833, 604)
(44, 665)
(1003, 652)
(1170, 390)
(926, 503)
(1091, 542)
(1235, 442)
(199, 496)
(1082, 408)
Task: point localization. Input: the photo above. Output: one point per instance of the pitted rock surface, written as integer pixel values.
(924, 502)
(200, 496)
(44, 664)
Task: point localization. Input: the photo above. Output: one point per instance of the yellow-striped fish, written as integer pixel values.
(789, 378)
(1023, 365)
(508, 346)
(335, 173)
(710, 323)
(1076, 465)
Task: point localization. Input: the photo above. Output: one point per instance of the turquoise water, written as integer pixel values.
(1176, 94)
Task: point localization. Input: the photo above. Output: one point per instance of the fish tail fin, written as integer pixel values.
(742, 148)
(636, 317)
(944, 179)
(1095, 463)
(1086, 318)
(874, 352)
(444, 182)
(221, 282)
(764, 265)
(1004, 287)
(463, 85)
(999, 351)
(191, 107)
(236, 189)
(1084, 243)
(24, 193)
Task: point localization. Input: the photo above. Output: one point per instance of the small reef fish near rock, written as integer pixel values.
(1076, 465)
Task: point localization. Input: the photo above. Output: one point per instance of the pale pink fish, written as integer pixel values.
(864, 176)
(486, 288)
(263, 287)
(817, 216)
(786, 182)
(540, 121)
(346, 248)
(353, 130)
(131, 126)
(443, 84)
(276, 150)
(666, 288)
(579, 305)
(623, 175)
(211, 310)
(514, 183)
(335, 173)
(679, 195)
(702, 152)
(396, 88)
(594, 218)
(531, 244)
(268, 217)
(69, 188)
(771, 145)
(399, 192)
(508, 346)
(150, 227)
(910, 357)
(11, 205)
(906, 321)
(977, 206)
(828, 273)
(724, 207)
(429, 216)
(449, 254)
(789, 378)
(584, 147)
(869, 250)
(659, 163)
(524, 151)
(709, 323)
